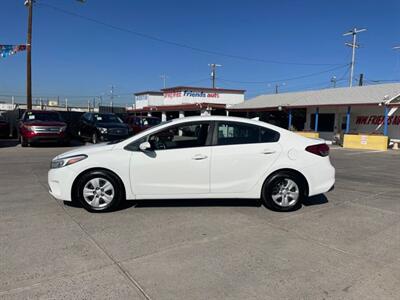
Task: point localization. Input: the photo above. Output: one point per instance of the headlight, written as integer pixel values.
(63, 128)
(66, 161)
(102, 130)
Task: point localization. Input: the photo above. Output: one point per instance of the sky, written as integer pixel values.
(128, 44)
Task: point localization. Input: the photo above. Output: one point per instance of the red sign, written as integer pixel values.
(377, 120)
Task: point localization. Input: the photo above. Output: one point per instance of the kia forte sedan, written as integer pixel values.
(196, 157)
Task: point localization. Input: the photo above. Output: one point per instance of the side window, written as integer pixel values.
(180, 136)
(268, 135)
(236, 133)
(230, 133)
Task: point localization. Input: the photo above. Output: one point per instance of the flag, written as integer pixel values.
(7, 50)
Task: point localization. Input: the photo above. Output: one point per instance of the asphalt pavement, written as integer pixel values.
(342, 245)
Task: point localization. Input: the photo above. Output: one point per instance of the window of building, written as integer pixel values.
(326, 122)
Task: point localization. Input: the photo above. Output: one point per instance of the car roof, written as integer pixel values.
(43, 111)
(226, 118)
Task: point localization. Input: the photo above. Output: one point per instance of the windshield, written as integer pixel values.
(106, 118)
(42, 116)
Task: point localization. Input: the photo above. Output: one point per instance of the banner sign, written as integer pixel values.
(377, 120)
(7, 50)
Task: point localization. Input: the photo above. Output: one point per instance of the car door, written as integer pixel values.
(241, 154)
(178, 162)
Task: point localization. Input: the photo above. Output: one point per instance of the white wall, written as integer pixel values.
(148, 100)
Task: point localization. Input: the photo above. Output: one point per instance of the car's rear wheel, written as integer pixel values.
(99, 191)
(284, 191)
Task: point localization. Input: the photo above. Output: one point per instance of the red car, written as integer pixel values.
(38, 126)
(140, 123)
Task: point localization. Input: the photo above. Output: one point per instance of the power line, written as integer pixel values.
(285, 79)
(181, 45)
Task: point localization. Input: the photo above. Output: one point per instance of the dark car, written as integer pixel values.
(140, 123)
(4, 127)
(99, 127)
(37, 126)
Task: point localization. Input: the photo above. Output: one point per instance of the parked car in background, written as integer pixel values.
(38, 126)
(4, 127)
(196, 157)
(100, 127)
(140, 123)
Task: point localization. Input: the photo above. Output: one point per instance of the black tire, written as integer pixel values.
(118, 189)
(94, 138)
(24, 143)
(274, 184)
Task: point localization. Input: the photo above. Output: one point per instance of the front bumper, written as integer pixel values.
(46, 138)
(60, 183)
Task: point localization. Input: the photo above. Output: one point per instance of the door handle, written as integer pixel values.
(199, 157)
(268, 151)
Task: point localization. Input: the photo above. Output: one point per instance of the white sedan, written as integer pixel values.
(196, 157)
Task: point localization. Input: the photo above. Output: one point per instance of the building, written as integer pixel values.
(180, 101)
(372, 109)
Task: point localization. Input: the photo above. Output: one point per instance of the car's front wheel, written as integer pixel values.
(99, 191)
(283, 191)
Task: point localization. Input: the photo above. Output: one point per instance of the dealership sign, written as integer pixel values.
(377, 120)
(188, 93)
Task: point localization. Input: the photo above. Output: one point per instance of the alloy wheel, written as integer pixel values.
(285, 193)
(98, 192)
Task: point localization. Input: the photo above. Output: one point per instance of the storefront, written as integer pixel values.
(373, 109)
(181, 101)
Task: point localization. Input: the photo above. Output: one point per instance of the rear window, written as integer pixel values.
(42, 116)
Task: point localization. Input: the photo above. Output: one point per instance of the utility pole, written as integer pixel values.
(29, 4)
(164, 79)
(333, 81)
(214, 73)
(112, 96)
(353, 45)
(277, 87)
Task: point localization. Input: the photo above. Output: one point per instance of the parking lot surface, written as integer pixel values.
(344, 245)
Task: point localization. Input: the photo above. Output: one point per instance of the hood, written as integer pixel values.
(87, 150)
(44, 123)
(111, 125)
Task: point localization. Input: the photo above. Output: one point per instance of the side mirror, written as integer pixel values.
(145, 146)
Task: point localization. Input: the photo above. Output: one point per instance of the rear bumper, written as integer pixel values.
(321, 178)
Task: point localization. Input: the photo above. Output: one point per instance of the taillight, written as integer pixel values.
(320, 149)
